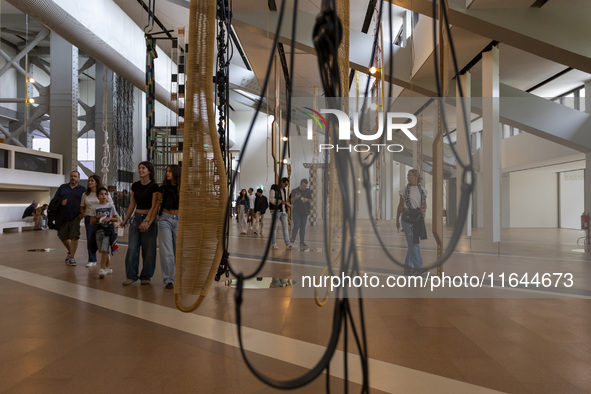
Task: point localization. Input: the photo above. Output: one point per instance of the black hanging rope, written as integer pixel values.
(221, 79)
(327, 36)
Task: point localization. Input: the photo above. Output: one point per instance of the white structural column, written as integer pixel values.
(587, 181)
(491, 146)
(63, 107)
(462, 140)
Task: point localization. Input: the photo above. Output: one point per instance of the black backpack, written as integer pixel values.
(54, 220)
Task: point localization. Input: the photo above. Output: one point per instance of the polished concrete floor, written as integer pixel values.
(66, 331)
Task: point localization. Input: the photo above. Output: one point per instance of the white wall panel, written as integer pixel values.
(534, 199)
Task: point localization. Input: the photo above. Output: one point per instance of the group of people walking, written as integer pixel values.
(410, 212)
(152, 216)
(148, 202)
(251, 211)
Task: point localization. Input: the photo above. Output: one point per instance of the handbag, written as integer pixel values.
(411, 215)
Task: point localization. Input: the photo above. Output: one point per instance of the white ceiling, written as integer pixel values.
(518, 68)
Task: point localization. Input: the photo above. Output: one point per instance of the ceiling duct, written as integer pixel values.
(62, 23)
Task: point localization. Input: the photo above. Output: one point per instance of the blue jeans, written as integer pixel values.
(167, 228)
(299, 224)
(413, 254)
(281, 217)
(147, 242)
(90, 239)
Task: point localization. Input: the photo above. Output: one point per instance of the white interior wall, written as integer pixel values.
(164, 116)
(8, 79)
(140, 152)
(256, 167)
(111, 24)
(477, 203)
(422, 41)
(24, 196)
(572, 198)
(505, 200)
(534, 199)
(526, 150)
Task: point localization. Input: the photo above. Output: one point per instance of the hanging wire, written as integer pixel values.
(468, 175)
(327, 37)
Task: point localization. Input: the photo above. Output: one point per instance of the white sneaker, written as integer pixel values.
(109, 270)
(290, 246)
(274, 246)
(102, 273)
(90, 264)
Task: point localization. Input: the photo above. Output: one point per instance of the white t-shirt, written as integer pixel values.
(251, 199)
(414, 196)
(90, 201)
(108, 209)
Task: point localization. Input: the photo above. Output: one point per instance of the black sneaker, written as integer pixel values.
(72, 262)
(169, 286)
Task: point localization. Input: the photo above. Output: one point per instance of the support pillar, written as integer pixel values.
(64, 102)
(491, 146)
(587, 180)
(386, 189)
(462, 140)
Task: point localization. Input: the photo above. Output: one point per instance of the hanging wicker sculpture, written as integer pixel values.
(204, 192)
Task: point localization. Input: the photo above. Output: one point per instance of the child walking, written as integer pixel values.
(103, 215)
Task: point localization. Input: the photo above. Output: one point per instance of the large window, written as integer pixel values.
(29, 162)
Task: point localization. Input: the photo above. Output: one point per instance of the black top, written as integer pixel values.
(261, 204)
(142, 194)
(74, 196)
(300, 207)
(170, 197)
(28, 211)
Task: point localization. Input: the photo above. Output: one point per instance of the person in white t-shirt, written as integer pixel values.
(89, 201)
(103, 216)
(413, 203)
(251, 198)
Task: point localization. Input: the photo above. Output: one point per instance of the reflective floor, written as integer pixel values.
(65, 330)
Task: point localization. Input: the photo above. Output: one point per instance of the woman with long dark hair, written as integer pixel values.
(143, 232)
(412, 206)
(243, 205)
(87, 204)
(168, 199)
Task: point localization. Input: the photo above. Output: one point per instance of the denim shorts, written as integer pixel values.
(102, 241)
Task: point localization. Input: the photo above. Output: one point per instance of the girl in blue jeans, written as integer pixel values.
(412, 198)
(142, 229)
(168, 199)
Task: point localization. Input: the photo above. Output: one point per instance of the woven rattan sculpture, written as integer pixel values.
(204, 190)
